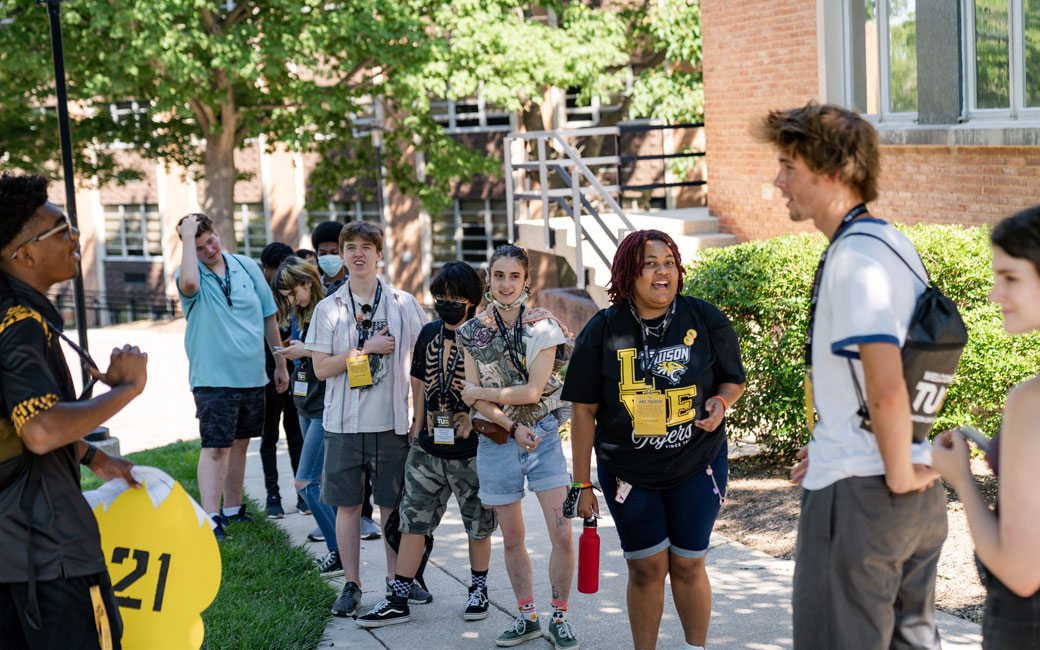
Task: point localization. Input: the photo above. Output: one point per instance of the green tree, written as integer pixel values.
(216, 73)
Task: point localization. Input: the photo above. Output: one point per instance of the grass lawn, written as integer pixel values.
(270, 596)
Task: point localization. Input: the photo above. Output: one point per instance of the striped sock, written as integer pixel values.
(478, 579)
(527, 608)
(559, 608)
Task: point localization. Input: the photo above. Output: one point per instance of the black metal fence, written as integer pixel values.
(105, 308)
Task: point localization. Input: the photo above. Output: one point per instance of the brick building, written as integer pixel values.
(953, 87)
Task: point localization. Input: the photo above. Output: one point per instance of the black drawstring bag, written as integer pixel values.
(392, 534)
(934, 343)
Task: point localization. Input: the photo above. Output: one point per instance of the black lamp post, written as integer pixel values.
(54, 12)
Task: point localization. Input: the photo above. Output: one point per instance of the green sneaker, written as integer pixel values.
(522, 629)
(561, 635)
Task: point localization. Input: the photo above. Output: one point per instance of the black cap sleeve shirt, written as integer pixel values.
(33, 378)
(424, 368)
(700, 351)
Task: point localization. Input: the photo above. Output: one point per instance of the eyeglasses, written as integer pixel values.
(66, 226)
(447, 302)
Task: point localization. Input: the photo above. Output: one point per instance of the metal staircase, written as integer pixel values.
(567, 210)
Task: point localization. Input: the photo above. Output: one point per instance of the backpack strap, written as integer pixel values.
(926, 281)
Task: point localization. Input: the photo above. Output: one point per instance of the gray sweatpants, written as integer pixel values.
(865, 567)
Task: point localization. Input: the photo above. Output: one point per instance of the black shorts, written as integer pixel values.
(66, 611)
(229, 414)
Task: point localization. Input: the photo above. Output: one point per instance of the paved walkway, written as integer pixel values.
(751, 609)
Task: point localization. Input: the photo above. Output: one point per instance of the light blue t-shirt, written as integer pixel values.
(225, 344)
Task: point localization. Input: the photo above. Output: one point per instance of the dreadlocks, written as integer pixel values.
(628, 262)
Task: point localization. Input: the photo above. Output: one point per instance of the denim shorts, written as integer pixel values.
(503, 468)
(679, 518)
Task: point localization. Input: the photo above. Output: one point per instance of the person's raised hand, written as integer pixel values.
(950, 457)
(126, 366)
(295, 350)
(188, 228)
(381, 343)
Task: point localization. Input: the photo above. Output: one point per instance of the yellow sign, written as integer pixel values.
(358, 372)
(162, 558)
(649, 415)
(810, 409)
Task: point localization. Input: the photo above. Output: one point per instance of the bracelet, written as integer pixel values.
(725, 406)
(581, 485)
(88, 457)
(512, 429)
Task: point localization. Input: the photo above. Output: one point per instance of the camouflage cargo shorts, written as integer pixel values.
(429, 481)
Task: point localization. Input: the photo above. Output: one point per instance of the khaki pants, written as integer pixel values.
(865, 567)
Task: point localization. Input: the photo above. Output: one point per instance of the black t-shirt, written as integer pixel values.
(699, 352)
(33, 378)
(424, 368)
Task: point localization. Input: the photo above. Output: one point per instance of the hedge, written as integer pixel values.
(763, 286)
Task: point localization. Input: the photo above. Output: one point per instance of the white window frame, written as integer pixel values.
(884, 64)
(451, 116)
(347, 211)
(1017, 109)
(248, 215)
(459, 236)
(142, 214)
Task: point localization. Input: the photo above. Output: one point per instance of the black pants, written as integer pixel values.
(279, 406)
(865, 567)
(1010, 622)
(67, 613)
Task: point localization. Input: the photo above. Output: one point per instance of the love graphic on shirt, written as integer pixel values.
(678, 401)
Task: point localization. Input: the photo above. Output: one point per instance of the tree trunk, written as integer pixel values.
(219, 198)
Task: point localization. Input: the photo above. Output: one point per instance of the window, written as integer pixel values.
(883, 57)
(1002, 51)
(469, 230)
(999, 46)
(133, 231)
(250, 229)
(356, 210)
(470, 114)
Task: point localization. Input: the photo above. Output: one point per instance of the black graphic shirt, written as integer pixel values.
(699, 351)
(424, 368)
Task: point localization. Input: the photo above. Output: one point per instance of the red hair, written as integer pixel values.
(628, 263)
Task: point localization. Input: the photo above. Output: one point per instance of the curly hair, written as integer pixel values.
(20, 198)
(293, 272)
(628, 262)
(205, 224)
(830, 140)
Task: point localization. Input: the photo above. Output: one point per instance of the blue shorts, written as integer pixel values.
(679, 519)
(503, 468)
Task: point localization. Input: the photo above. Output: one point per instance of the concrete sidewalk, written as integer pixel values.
(751, 608)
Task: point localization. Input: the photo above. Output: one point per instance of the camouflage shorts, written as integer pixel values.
(429, 481)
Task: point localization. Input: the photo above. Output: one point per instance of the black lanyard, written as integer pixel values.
(513, 346)
(644, 337)
(225, 286)
(84, 359)
(363, 332)
(818, 277)
(453, 364)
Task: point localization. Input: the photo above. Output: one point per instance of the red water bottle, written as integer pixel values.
(588, 558)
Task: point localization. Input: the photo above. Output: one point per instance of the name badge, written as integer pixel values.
(358, 372)
(649, 415)
(300, 385)
(810, 409)
(443, 428)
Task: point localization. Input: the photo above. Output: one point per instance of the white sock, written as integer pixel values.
(690, 646)
(228, 512)
(214, 515)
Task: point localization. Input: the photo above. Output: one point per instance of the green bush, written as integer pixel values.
(763, 286)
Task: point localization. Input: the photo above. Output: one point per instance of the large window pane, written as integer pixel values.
(991, 54)
(870, 47)
(902, 54)
(1032, 52)
(132, 230)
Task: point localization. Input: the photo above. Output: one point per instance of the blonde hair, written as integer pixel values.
(292, 273)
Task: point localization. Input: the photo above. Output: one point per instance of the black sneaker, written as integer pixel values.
(316, 535)
(477, 607)
(218, 530)
(302, 507)
(240, 517)
(349, 601)
(274, 507)
(387, 612)
(330, 565)
(416, 595)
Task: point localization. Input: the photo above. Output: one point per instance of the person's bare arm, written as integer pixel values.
(528, 393)
(330, 365)
(583, 433)
(189, 279)
(418, 408)
(67, 422)
(1006, 545)
(716, 406)
(274, 340)
(889, 405)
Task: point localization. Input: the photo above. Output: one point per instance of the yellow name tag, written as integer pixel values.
(649, 415)
(443, 428)
(810, 409)
(358, 372)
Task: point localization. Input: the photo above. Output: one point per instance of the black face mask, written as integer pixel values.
(452, 313)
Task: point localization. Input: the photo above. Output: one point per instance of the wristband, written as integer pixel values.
(581, 485)
(512, 429)
(88, 457)
(725, 406)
